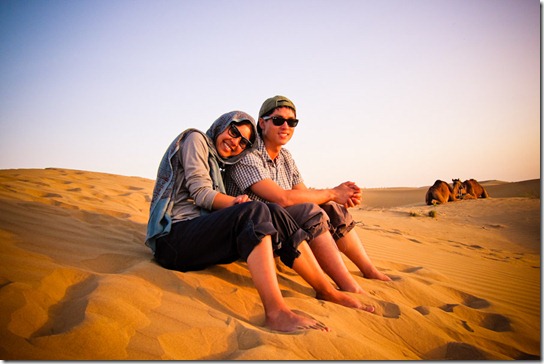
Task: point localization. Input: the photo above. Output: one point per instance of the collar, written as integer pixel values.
(262, 149)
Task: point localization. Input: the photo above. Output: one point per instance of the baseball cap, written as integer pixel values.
(274, 102)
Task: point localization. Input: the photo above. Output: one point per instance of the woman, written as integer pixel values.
(194, 224)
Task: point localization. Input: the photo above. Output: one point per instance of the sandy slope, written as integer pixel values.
(77, 281)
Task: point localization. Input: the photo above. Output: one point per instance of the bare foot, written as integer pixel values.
(289, 321)
(376, 274)
(353, 288)
(344, 300)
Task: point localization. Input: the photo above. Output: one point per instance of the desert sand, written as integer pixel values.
(77, 281)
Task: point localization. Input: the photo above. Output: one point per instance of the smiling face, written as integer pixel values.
(277, 135)
(228, 145)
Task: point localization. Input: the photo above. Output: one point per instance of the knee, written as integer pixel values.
(257, 208)
(314, 220)
(279, 215)
(256, 204)
(275, 209)
(333, 208)
(316, 213)
(309, 209)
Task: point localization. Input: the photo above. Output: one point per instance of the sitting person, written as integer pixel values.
(270, 174)
(193, 224)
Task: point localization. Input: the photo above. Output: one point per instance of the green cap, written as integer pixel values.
(274, 102)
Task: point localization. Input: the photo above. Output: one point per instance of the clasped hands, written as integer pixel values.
(349, 194)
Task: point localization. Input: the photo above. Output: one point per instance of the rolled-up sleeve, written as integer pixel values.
(194, 155)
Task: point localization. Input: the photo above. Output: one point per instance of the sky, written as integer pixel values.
(389, 93)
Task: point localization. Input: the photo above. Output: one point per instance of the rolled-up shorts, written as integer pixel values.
(227, 235)
(317, 219)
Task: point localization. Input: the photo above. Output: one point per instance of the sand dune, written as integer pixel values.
(77, 282)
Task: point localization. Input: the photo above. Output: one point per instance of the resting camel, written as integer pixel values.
(441, 192)
(473, 190)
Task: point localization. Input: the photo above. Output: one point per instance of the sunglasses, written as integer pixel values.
(235, 133)
(278, 121)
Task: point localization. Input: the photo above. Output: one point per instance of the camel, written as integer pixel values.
(473, 190)
(441, 192)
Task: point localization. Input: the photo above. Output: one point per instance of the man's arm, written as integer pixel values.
(270, 191)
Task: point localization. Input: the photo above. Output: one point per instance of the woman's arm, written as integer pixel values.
(194, 154)
(221, 200)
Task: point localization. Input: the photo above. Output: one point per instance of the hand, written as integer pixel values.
(347, 194)
(356, 197)
(355, 200)
(352, 203)
(240, 199)
(354, 186)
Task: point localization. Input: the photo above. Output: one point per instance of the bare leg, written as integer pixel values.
(353, 248)
(307, 266)
(278, 315)
(329, 258)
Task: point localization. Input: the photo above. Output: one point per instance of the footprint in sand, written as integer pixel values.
(463, 298)
(464, 351)
(448, 307)
(412, 269)
(133, 188)
(466, 326)
(424, 310)
(388, 309)
(456, 351)
(491, 321)
(474, 302)
(247, 338)
(51, 195)
(495, 322)
(394, 277)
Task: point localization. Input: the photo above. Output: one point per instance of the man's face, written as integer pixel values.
(277, 135)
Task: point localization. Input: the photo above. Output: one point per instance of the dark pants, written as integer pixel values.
(227, 235)
(317, 219)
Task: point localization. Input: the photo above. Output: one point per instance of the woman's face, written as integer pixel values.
(233, 140)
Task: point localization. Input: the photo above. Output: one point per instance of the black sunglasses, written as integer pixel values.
(278, 121)
(235, 133)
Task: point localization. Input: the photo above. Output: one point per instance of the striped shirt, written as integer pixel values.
(257, 166)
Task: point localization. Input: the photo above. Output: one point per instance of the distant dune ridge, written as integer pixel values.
(77, 281)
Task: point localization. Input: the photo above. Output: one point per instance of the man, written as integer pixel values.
(270, 174)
